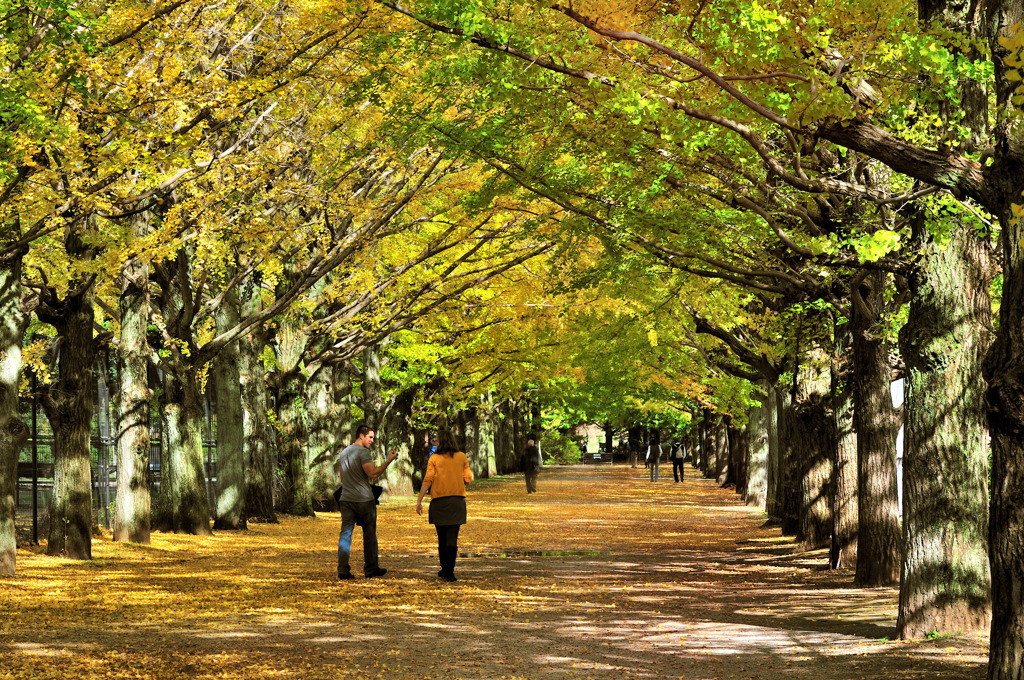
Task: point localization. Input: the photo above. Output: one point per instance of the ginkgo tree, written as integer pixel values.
(784, 99)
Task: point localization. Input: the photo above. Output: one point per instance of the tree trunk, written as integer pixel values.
(343, 430)
(843, 552)
(258, 452)
(945, 585)
(813, 450)
(486, 453)
(773, 466)
(229, 505)
(879, 545)
(13, 432)
(739, 448)
(70, 406)
(710, 468)
(291, 443)
(257, 448)
(133, 496)
(755, 490)
(721, 434)
(787, 479)
(398, 425)
(323, 445)
(183, 506)
(372, 401)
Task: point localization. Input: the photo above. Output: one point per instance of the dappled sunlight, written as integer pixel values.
(648, 581)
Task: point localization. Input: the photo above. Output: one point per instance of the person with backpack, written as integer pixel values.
(678, 455)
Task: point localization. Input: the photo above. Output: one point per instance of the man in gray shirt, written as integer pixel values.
(356, 468)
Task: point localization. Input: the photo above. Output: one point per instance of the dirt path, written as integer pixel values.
(599, 575)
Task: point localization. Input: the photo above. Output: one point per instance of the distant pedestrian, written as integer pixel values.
(654, 457)
(447, 475)
(678, 455)
(357, 503)
(529, 463)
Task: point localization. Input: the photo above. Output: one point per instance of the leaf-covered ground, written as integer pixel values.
(599, 575)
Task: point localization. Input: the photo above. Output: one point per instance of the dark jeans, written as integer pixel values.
(363, 514)
(677, 469)
(531, 481)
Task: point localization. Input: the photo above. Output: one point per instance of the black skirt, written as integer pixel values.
(447, 510)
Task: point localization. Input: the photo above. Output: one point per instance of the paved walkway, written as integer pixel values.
(600, 575)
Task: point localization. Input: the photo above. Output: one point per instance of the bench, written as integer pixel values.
(599, 457)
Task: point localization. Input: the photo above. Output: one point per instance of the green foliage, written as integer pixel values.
(559, 447)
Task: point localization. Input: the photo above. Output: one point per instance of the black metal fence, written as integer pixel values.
(36, 463)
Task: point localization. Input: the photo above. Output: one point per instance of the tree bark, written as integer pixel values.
(755, 491)
(398, 425)
(343, 429)
(323, 444)
(372, 401)
(257, 449)
(721, 444)
(69, 406)
(843, 551)
(814, 451)
(486, 452)
(739, 451)
(879, 548)
(13, 432)
(133, 504)
(183, 506)
(945, 585)
(229, 505)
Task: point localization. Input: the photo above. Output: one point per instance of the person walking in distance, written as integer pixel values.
(678, 455)
(654, 457)
(447, 475)
(357, 503)
(529, 463)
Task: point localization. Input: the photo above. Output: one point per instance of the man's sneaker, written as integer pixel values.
(345, 577)
(375, 574)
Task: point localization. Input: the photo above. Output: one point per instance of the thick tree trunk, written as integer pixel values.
(398, 425)
(132, 439)
(70, 406)
(879, 545)
(787, 480)
(290, 401)
(343, 430)
(814, 451)
(1004, 373)
(945, 585)
(13, 432)
(755, 491)
(843, 552)
(323, 445)
(721, 470)
(372, 402)
(777, 400)
(258, 452)
(183, 505)
(229, 505)
(710, 467)
(291, 444)
(486, 452)
(739, 450)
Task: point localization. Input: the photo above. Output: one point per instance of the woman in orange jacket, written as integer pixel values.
(447, 475)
